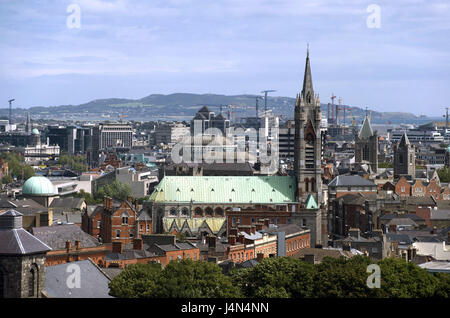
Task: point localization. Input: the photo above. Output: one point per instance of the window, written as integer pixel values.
(124, 218)
(148, 227)
(198, 211)
(118, 233)
(31, 280)
(141, 227)
(219, 212)
(131, 234)
(195, 256)
(304, 222)
(173, 211)
(171, 258)
(209, 211)
(185, 211)
(98, 224)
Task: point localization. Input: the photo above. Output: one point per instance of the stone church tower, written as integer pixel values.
(404, 158)
(308, 141)
(366, 146)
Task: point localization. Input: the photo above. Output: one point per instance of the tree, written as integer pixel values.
(444, 174)
(86, 196)
(117, 190)
(385, 165)
(16, 166)
(136, 281)
(7, 179)
(179, 279)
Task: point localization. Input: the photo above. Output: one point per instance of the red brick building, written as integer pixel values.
(403, 188)
(418, 189)
(119, 221)
(434, 190)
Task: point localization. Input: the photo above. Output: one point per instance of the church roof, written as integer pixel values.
(404, 141)
(366, 129)
(311, 203)
(225, 189)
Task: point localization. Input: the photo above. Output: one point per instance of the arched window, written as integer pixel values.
(198, 211)
(185, 211)
(313, 181)
(219, 212)
(32, 279)
(307, 185)
(173, 211)
(209, 211)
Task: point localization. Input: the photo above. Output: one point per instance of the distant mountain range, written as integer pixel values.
(183, 106)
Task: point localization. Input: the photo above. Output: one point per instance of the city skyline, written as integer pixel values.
(127, 49)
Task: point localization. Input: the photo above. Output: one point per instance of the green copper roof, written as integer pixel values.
(254, 189)
(40, 186)
(311, 203)
(366, 129)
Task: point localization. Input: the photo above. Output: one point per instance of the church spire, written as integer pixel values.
(308, 91)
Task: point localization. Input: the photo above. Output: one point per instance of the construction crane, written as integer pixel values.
(257, 106)
(10, 110)
(265, 97)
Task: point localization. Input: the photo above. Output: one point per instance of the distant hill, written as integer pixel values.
(182, 106)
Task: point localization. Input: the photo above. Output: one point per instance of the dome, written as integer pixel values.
(35, 131)
(448, 149)
(38, 186)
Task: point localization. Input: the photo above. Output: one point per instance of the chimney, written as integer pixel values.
(137, 244)
(259, 226)
(266, 222)
(259, 257)
(253, 229)
(354, 232)
(392, 228)
(117, 247)
(68, 245)
(232, 239)
(241, 238)
(78, 244)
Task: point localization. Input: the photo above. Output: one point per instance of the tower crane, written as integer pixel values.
(265, 97)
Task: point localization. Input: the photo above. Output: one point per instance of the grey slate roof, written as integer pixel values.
(14, 240)
(402, 221)
(343, 181)
(144, 215)
(20, 242)
(440, 215)
(56, 236)
(67, 203)
(93, 282)
(366, 130)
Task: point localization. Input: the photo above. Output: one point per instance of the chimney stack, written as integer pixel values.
(241, 238)
(253, 229)
(234, 231)
(117, 247)
(78, 244)
(137, 244)
(232, 239)
(259, 226)
(266, 222)
(68, 245)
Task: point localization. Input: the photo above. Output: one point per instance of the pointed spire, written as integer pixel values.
(307, 91)
(366, 130)
(404, 141)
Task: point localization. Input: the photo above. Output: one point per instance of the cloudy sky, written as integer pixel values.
(134, 48)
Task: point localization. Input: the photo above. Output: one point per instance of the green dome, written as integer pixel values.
(38, 186)
(448, 149)
(35, 131)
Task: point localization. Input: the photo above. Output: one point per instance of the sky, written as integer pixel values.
(385, 55)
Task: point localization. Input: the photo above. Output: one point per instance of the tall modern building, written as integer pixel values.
(404, 158)
(366, 146)
(308, 140)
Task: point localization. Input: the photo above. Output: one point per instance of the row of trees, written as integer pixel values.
(17, 167)
(280, 278)
(75, 162)
(444, 174)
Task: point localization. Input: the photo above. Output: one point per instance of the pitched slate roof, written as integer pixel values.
(93, 281)
(343, 181)
(366, 130)
(67, 203)
(14, 240)
(56, 236)
(236, 189)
